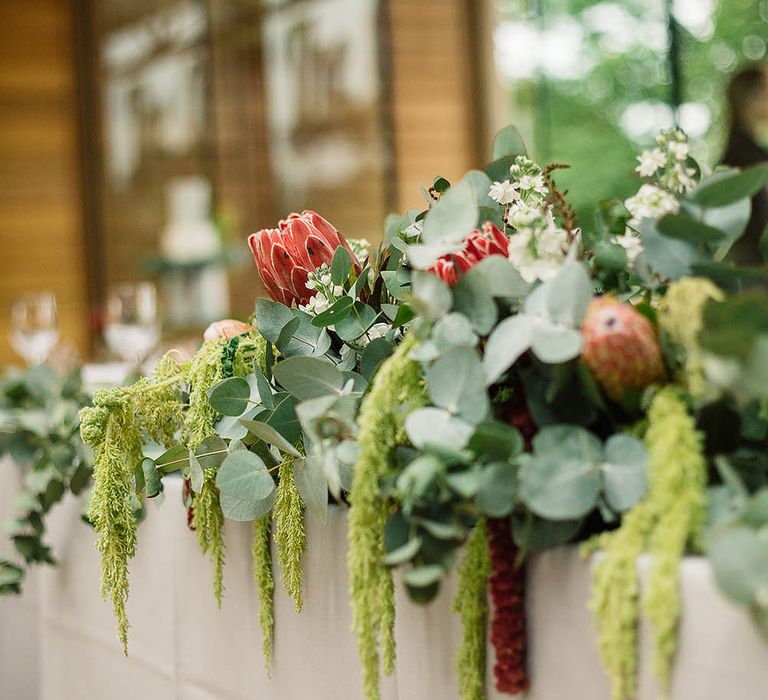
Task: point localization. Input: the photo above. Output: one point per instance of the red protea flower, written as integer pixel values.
(481, 243)
(508, 629)
(287, 254)
(621, 347)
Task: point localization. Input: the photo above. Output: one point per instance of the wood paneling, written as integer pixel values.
(41, 242)
(433, 96)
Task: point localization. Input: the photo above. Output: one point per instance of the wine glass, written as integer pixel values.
(34, 326)
(132, 326)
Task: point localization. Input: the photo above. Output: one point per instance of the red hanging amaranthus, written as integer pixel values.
(507, 585)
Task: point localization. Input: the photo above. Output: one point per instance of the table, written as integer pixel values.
(183, 648)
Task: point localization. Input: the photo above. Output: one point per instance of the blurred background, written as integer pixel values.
(141, 142)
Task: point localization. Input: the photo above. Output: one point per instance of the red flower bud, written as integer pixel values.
(481, 243)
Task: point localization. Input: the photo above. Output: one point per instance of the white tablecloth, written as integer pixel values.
(183, 648)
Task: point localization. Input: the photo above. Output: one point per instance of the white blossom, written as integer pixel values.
(631, 243)
(679, 149)
(650, 202)
(504, 192)
(650, 161)
(538, 251)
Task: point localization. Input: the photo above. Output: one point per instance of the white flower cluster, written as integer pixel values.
(360, 248)
(525, 186)
(650, 202)
(326, 292)
(538, 247)
(667, 165)
(668, 162)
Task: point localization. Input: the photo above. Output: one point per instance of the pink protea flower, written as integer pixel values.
(482, 242)
(287, 254)
(226, 328)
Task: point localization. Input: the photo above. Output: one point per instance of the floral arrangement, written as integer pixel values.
(488, 382)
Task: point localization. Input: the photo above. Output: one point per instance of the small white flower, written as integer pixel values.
(651, 202)
(650, 161)
(504, 192)
(631, 243)
(325, 278)
(679, 149)
(338, 290)
(538, 252)
(522, 215)
(310, 283)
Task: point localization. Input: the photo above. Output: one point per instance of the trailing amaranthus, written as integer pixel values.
(508, 626)
(667, 519)
(471, 603)
(290, 537)
(208, 523)
(110, 427)
(679, 475)
(395, 390)
(265, 583)
(681, 316)
(216, 358)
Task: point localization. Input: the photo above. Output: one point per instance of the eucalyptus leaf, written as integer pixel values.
(152, 480)
(453, 217)
(308, 377)
(244, 475)
(437, 426)
(508, 142)
(312, 487)
(378, 350)
(430, 296)
(173, 460)
(230, 397)
(624, 471)
(739, 559)
(271, 318)
(359, 319)
(404, 553)
(266, 432)
(455, 383)
(721, 189)
(196, 474)
(423, 576)
(508, 341)
(340, 266)
(211, 452)
(337, 312)
(246, 511)
(498, 493)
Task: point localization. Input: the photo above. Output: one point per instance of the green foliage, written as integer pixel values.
(290, 537)
(39, 432)
(471, 603)
(395, 390)
(265, 583)
(208, 521)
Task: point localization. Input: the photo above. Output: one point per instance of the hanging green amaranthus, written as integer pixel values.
(681, 314)
(208, 521)
(663, 523)
(471, 603)
(290, 537)
(109, 426)
(396, 389)
(265, 583)
(678, 472)
(204, 370)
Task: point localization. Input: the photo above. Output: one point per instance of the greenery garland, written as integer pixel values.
(663, 524)
(471, 603)
(396, 389)
(265, 583)
(290, 537)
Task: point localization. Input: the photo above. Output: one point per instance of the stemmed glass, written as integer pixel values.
(34, 326)
(132, 326)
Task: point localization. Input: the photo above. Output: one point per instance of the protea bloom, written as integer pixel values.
(621, 348)
(287, 254)
(481, 243)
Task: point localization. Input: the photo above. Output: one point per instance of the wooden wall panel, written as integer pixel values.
(433, 94)
(41, 241)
